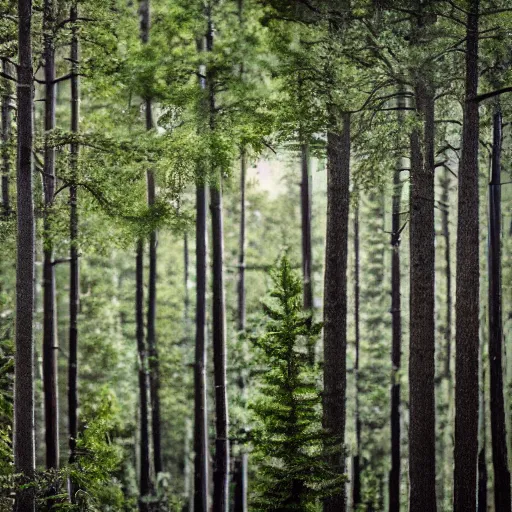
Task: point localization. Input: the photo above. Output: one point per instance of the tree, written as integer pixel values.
(502, 499)
(467, 284)
(74, 276)
(289, 438)
(335, 301)
(50, 353)
(24, 445)
(154, 377)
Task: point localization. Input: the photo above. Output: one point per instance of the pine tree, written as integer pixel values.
(289, 439)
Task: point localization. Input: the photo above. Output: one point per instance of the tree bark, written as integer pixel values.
(422, 469)
(221, 463)
(356, 470)
(74, 286)
(201, 451)
(305, 204)
(50, 350)
(154, 366)
(335, 301)
(241, 245)
(502, 498)
(24, 442)
(468, 290)
(144, 477)
(396, 332)
(6, 136)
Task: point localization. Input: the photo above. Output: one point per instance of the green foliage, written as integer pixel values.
(288, 438)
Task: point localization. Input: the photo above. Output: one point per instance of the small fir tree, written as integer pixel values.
(288, 440)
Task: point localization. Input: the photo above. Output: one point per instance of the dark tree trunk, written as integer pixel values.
(221, 468)
(154, 367)
(6, 136)
(422, 439)
(467, 289)
(502, 498)
(74, 287)
(305, 204)
(356, 486)
(221, 463)
(144, 477)
(24, 444)
(396, 334)
(241, 245)
(240, 480)
(335, 301)
(49, 312)
(201, 451)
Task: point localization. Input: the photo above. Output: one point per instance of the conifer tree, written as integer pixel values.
(289, 439)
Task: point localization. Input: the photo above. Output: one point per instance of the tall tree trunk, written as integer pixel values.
(49, 311)
(24, 443)
(154, 367)
(396, 331)
(422, 467)
(241, 245)
(144, 477)
(468, 290)
(6, 136)
(74, 286)
(201, 452)
(356, 470)
(335, 301)
(221, 464)
(305, 204)
(502, 498)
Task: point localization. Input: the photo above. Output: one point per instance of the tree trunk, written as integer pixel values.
(335, 301)
(201, 451)
(396, 332)
(502, 498)
(305, 204)
(6, 136)
(356, 470)
(154, 367)
(24, 443)
(241, 245)
(144, 478)
(422, 438)
(49, 311)
(74, 286)
(467, 289)
(221, 464)
(240, 480)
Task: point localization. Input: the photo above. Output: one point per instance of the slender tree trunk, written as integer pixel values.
(468, 290)
(356, 470)
(144, 478)
(502, 498)
(201, 452)
(74, 286)
(305, 204)
(241, 245)
(49, 311)
(221, 464)
(154, 367)
(396, 333)
(422, 467)
(240, 480)
(335, 301)
(24, 442)
(6, 136)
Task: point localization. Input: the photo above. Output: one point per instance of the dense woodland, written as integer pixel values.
(256, 255)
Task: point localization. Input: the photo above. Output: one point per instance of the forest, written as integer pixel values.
(256, 255)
